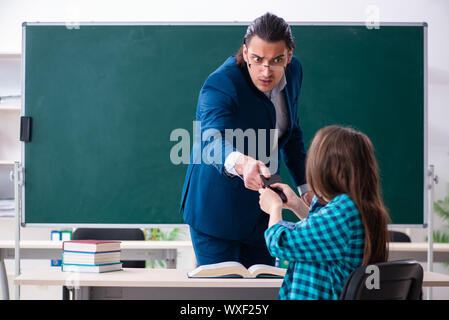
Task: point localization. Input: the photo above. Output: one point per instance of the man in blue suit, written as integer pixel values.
(257, 89)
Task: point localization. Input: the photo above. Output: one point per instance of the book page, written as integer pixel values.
(266, 270)
(221, 269)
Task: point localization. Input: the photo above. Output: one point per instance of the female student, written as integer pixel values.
(346, 225)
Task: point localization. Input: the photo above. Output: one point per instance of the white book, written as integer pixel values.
(91, 245)
(236, 269)
(91, 268)
(70, 257)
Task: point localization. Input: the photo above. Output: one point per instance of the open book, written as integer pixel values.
(233, 269)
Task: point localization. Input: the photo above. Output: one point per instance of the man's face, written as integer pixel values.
(259, 54)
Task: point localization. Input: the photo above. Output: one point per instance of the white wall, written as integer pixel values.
(434, 12)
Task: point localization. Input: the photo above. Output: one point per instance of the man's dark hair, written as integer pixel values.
(270, 28)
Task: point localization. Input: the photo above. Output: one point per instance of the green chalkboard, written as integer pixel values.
(105, 98)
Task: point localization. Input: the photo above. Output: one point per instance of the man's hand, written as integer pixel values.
(251, 169)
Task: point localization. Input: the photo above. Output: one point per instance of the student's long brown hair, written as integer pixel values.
(341, 160)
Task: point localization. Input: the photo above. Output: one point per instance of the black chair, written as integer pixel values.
(112, 234)
(396, 236)
(398, 280)
(108, 234)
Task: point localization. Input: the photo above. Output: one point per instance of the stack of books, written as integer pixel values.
(91, 256)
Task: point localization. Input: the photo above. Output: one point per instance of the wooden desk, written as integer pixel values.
(130, 250)
(150, 250)
(152, 284)
(418, 251)
(172, 284)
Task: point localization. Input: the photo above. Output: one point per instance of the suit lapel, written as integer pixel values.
(288, 103)
(271, 109)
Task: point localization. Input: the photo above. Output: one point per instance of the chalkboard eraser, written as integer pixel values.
(25, 129)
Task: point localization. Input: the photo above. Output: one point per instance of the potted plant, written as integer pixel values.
(441, 207)
(156, 234)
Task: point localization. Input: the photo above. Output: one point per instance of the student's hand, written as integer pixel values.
(308, 197)
(294, 203)
(292, 198)
(251, 169)
(271, 203)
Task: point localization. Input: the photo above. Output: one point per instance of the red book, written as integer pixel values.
(91, 245)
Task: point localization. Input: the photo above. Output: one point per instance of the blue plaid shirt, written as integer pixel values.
(322, 249)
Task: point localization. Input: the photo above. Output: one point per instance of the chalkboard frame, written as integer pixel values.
(22, 212)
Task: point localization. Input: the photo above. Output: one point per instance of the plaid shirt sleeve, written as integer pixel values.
(322, 236)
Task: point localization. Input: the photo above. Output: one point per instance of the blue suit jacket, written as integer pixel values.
(213, 202)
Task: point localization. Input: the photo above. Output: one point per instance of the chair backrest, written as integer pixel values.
(398, 280)
(112, 234)
(397, 236)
